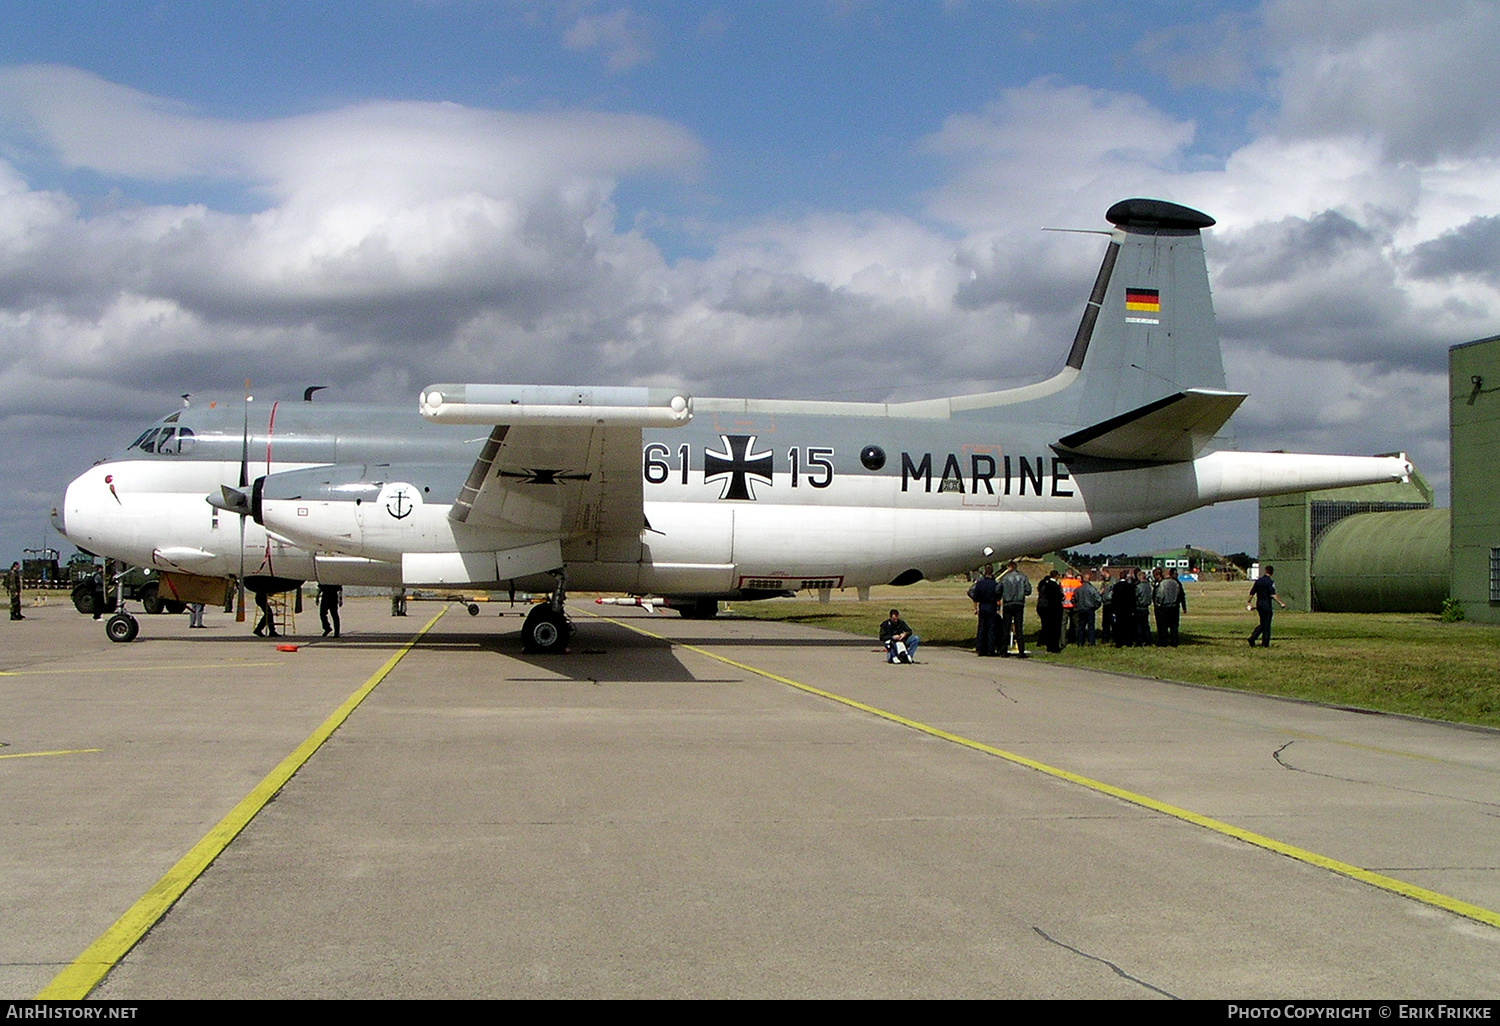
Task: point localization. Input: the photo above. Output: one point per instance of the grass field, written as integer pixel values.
(1396, 662)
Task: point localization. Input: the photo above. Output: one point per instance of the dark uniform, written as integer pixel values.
(329, 597)
(13, 585)
(986, 596)
(1262, 592)
(263, 603)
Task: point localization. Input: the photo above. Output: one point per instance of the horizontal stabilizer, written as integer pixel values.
(1170, 430)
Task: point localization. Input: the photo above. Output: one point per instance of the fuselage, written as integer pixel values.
(747, 498)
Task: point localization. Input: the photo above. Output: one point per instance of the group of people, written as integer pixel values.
(1001, 608)
(1125, 606)
(1129, 602)
(330, 597)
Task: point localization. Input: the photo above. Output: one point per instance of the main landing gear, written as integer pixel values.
(547, 629)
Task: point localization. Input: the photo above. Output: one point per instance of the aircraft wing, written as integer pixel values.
(560, 462)
(558, 481)
(1173, 429)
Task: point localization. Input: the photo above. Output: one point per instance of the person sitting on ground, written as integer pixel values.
(899, 640)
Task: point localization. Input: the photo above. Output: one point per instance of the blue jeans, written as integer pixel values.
(1083, 627)
(911, 641)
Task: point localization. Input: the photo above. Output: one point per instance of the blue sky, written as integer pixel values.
(384, 193)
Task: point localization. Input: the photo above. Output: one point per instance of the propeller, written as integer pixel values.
(242, 502)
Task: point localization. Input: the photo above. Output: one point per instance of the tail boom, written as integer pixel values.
(1225, 475)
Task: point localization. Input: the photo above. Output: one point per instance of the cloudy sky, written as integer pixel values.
(809, 199)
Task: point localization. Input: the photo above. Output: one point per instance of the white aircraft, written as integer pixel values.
(650, 492)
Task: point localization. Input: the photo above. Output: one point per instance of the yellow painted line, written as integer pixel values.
(1377, 750)
(76, 981)
(136, 669)
(1466, 909)
(61, 751)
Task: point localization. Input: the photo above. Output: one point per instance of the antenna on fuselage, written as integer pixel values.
(307, 393)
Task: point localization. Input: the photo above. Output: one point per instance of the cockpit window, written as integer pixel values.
(165, 441)
(169, 446)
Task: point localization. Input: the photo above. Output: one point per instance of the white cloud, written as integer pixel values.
(622, 35)
(1419, 77)
(1050, 151)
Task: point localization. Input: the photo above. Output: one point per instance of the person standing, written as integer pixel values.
(263, 603)
(96, 590)
(1014, 587)
(195, 614)
(1171, 603)
(398, 601)
(1106, 610)
(1262, 594)
(1145, 595)
(1049, 609)
(13, 585)
(1086, 601)
(1122, 602)
(330, 597)
(986, 596)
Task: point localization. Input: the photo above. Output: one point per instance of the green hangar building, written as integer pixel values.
(1383, 548)
(1474, 422)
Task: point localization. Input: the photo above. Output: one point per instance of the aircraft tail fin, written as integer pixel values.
(1148, 330)
(1169, 430)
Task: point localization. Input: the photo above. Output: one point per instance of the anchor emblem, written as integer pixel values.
(400, 506)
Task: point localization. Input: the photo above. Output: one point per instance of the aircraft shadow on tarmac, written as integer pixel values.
(600, 651)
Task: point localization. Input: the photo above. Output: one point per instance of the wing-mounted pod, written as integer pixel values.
(558, 405)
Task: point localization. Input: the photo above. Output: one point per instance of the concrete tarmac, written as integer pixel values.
(642, 818)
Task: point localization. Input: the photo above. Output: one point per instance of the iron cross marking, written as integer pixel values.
(543, 475)
(737, 463)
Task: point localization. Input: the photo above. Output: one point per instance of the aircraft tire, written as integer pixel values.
(173, 606)
(122, 627)
(545, 632)
(473, 608)
(703, 609)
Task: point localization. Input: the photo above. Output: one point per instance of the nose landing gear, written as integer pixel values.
(121, 627)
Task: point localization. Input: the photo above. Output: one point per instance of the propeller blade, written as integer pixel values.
(239, 613)
(245, 441)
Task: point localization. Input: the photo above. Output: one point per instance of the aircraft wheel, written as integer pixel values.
(121, 627)
(473, 609)
(173, 606)
(702, 609)
(150, 598)
(545, 631)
